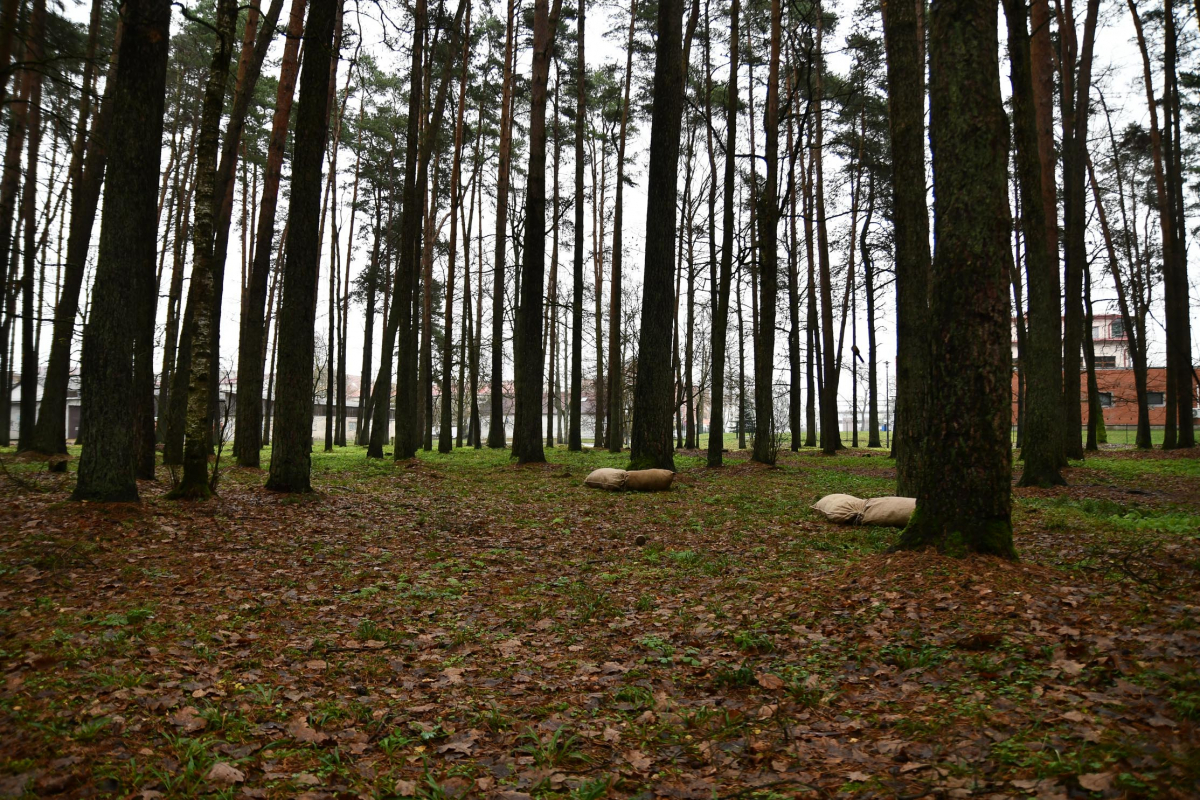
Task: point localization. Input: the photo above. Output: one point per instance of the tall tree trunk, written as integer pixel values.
(904, 37)
(868, 263)
(720, 300)
(195, 482)
(1180, 372)
(1075, 85)
(1041, 367)
(527, 429)
(970, 365)
(291, 454)
(29, 355)
(126, 256)
(445, 440)
(362, 432)
(175, 292)
(653, 397)
(419, 147)
(831, 438)
(615, 399)
(85, 175)
(497, 438)
(1095, 421)
(552, 291)
(813, 357)
(1137, 348)
(575, 427)
(251, 334)
(8, 27)
(795, 407)
(768, 243)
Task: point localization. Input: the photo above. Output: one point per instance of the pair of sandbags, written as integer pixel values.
(886, 512)
(638, 480)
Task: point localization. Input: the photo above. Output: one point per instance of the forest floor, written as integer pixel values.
(460, 626)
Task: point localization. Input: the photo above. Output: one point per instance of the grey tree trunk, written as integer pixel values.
(128, 234)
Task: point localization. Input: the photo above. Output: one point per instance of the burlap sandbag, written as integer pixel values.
(888, 512)
(649, 480)
(606, 478)
(841, 508)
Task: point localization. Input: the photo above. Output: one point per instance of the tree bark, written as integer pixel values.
(195, 482)
(650, 439)
(1075, 85)
(251, 335)
(291, 455)
(904, 38)
(575, 426)
(29, 355)
(1042, 365)
(527, 429)
(445, 439)
(970, 365)
(125, 261)
(497, 438)
(721, 287)
(768, 244)
(615, 398)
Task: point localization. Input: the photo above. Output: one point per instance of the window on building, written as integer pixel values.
(1095, 333)
(1155, 399)
(1106, 362)
(1118, 329)
(1105, 399)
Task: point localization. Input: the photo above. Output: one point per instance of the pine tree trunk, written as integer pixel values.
(1041, 362)
(872, 356)
(970, 365)
(362, 434)
(175, 292)
(1137, 350)
(1074, 93)
(831, 439)
(527, 429)
(497, 438)
(720, 300)
(29, 356)
(1180, 373)
(125, 261)
(85, 176)
(615, 398)
(195, 481)
(292, 451)
(904, 37)
(552, 291)
(768, 244)
(251, 334)
(445, 439)
(575, 427)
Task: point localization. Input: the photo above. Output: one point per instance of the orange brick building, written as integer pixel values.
(1118, 395)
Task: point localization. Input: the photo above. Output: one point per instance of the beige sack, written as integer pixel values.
(606, 478)
(888, 512)
(649, 480)
(840, 508)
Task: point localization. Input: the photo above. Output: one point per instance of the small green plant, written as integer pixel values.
(732, 677)
(637, 697)
(751, 641)
(645, 603)
(660, 646)
(556, 749)
(906, 657)
(89, 730)
(393, 742)
(593, 789)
